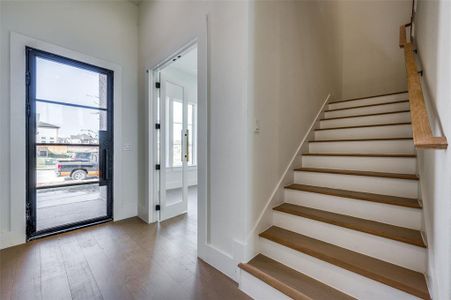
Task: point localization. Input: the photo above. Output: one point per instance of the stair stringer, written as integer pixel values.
(264, 220)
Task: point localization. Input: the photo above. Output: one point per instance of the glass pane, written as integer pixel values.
(57, 165)
(63, 83)
(177, 145)
(190, 145)
(69, 125)
(177, 111)
(65, 205)
(190, 114)
(192, 135)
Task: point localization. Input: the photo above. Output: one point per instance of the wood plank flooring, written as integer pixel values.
(123, 260)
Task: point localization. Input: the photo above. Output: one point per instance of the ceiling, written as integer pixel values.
(187, 62)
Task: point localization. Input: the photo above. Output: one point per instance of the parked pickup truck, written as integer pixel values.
(80, 167)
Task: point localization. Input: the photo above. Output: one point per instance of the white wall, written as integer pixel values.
(294, 68)
(106, 30)
(433, 21)
(371, 62)
(164, 28)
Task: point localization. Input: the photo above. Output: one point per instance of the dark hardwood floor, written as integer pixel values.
(123, 260)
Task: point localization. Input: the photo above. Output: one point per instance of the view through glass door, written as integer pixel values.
(69, 143)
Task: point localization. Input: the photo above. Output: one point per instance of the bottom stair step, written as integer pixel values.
(400, 278)
(288, 281)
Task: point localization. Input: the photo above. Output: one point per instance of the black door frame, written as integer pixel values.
(105, 147)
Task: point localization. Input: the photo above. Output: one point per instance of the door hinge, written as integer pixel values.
(27, 78)
(157, 85)
(28, 211)
(157, 126)
(157, 207)
(28, 110)
(157, 167)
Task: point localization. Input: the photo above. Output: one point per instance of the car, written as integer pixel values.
(82, 166)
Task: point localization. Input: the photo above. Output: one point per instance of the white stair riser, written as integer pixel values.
(398, 253)
(369, 184)
(373, 147)
(348, 282)
(403, 165)
(257, 289)
(367, 110)
(385, 213)
(369, 101)
(368, 120)
(365, 132)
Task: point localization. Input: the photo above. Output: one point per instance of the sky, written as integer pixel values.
(63, 83)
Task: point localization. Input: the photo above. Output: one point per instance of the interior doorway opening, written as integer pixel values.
(177, 134)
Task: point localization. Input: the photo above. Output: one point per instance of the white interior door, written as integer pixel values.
(175, 149)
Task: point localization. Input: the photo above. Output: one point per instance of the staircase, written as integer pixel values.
(350, 225)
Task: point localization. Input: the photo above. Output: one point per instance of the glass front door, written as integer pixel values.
(175, 154)
(70, 142)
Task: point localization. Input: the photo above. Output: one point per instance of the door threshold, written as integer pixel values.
(46, 234)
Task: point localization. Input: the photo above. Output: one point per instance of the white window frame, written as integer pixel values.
(194, 135)
(170, 126)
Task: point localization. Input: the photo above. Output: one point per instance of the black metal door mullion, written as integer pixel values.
(110, 129)
(62, 103)
(31, 141)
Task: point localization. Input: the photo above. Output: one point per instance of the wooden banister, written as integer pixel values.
(402, 36)
(422, 132)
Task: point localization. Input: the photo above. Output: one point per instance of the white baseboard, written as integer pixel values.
(10, 239)
(431, 274)
(220, 260)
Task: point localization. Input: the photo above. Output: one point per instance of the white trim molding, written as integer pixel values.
(221, 260)
(16, 231)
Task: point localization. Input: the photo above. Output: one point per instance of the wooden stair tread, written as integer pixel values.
(367, 115)
(398, 277)
(368, 105)
(361, 154)
(401, 234)
(393, 200)
(288, 281)
(363, 140)
(363, 126)
(360, 173)
(369, 97)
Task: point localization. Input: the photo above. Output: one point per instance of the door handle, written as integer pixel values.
(187, 145)
(182, 155)
(105, 165)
